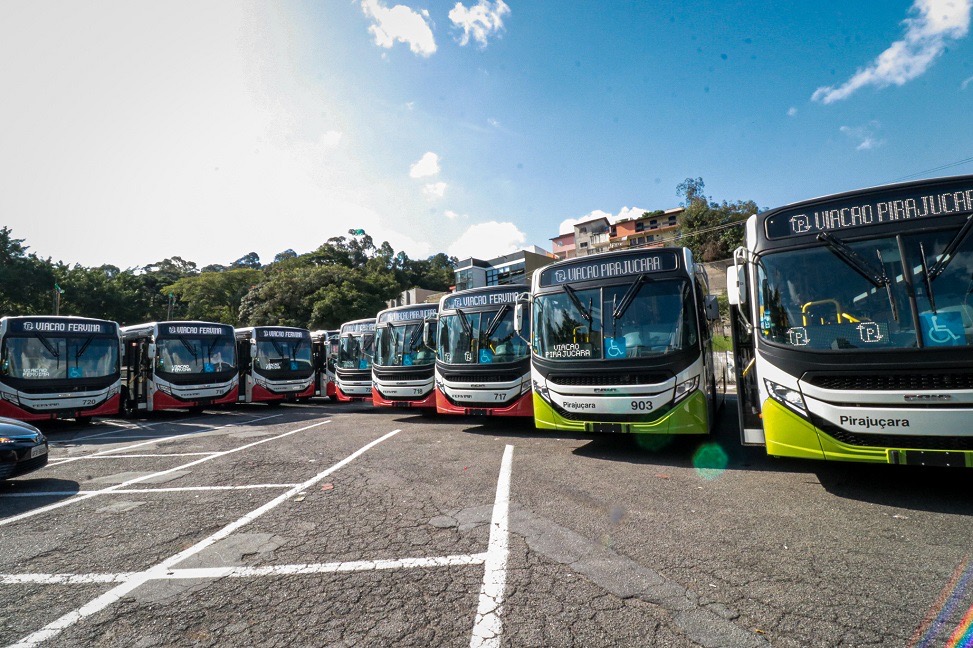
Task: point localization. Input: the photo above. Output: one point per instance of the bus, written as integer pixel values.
(482, 363)
(58, 367)
(622, 342)
(275, 364)
(324, 350)
(404, 367)
(353, 368)
(852, 324)
(178, 365)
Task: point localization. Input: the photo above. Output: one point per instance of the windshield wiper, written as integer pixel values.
(84, 347)
(947, 256)
(495, 324)
(416, 335)
(47, 345)
(573, 296)
(927, 278)
(189, 348)
(465, 323)
(854, 261)
(629, 296)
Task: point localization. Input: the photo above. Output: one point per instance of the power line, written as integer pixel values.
(934, 169)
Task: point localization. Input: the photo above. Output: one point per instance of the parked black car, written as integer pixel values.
(23, 448)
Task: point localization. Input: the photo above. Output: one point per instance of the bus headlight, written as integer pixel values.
(786, 396)
(11, 396)
(165, 389)
(685, 388)
(542, 391)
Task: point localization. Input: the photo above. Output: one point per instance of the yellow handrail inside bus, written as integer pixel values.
(837, 310)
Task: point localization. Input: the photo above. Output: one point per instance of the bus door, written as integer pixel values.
(744, 355)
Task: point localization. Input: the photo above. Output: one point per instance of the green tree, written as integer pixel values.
(711, 230)
(26, 281)
(214, 296)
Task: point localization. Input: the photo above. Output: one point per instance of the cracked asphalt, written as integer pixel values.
(259, 526)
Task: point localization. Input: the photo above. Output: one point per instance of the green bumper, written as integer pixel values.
(691, 416)
(789, 435)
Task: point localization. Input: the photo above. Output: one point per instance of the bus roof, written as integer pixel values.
(483, 297)
(365, 325)
(156, 327)
(58, 324)
(408, 313)
(610, 265)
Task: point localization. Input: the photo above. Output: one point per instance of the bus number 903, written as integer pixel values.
(641, 406)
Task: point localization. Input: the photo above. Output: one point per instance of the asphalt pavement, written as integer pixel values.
(344, 525)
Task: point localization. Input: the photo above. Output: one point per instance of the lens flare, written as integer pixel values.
(710, 460)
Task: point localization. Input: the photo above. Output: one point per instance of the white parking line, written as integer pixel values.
(157, 440)
(162, 569)
(81, 498)
(143, 456)
(129, 491)
(252, 572)
(488, 625)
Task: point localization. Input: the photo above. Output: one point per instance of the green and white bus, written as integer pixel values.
(621, 342)
(853, 326)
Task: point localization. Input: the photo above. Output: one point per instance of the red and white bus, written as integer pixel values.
(178, 365)
(275, 364)
(482, 364)
(353, 369)
(58, 367)
(404, 368)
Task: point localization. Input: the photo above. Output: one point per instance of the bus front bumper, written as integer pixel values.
(689, 416)
(789, 435)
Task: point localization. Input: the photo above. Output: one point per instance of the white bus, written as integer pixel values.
(404, 368)
(482, 363)
(58, 367)
(275, 364)
(353, 368)
(178, 365)
(621, 342)
(853, 326)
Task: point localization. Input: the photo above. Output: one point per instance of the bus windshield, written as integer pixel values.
(187, 354)
(816, 298)
(47, 357)
(355, 351)
(283, 355)
(401, 346)
(642, 318)
(485, 337)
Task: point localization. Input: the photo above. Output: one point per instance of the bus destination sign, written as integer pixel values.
(358, 327)
(888, 207)
(407, 315)
(196, 329)
(281, 334)
(482, 299)
(609, 268)
(60, 326)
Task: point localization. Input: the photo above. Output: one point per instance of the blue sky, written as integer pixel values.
(476, 127)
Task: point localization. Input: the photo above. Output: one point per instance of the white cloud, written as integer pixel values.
(493, 122)
(480, 21)
(791, 111)
(567, 225)
(402, 24)
(965, 83)
(428, 165)
(434, 191)
(488, 240)
(864, 137)
(451, 215)
(331, 139)
(926, 34)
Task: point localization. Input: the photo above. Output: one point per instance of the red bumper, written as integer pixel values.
(523, 406)
(428, 401)
(108, 408)
(162, 401)
(262, 395)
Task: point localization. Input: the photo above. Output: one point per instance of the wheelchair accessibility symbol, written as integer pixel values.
(614, 348)
(942, 329)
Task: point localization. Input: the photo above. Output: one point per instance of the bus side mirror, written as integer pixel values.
(429, 332)
(736, 292)
(519, 318)
(151, 350)
(712, 306)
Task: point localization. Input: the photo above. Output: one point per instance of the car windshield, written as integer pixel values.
(355, 351)
(490, 338)
(44, 357)
(185, 354)
(401, 345)
(812, 298)
(595, 324)
(281, 355)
